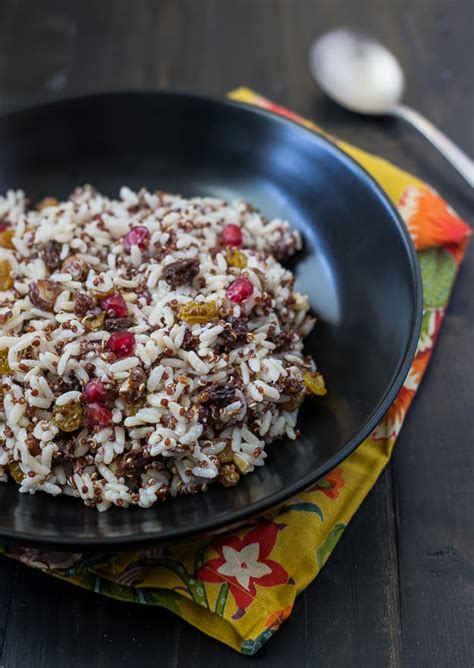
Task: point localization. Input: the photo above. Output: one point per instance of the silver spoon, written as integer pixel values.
(362, 75)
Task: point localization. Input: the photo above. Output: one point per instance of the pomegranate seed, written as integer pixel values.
(98, 415)
(121, 344)
(239, 290)
(4, 225)
(117, 304)
(95, 392)
(138, 236)
(232, 235)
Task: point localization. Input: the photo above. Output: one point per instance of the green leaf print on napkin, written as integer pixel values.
(329, 544)
(438, 270)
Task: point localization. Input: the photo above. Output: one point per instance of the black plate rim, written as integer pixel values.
(139, 539)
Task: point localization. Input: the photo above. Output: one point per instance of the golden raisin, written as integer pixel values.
(16, 472)
(235, 258)
(6, 239)
(132, 408)
(242, 464)
(225, 456)
(94, 321)
(314, 383)
(68, 417)
(299, 302)
(4, 366)
(293, 403)
(102, 295)
(197, 312)
(6, 280)
(46, 202)
(228, 475)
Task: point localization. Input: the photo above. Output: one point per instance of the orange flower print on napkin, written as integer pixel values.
(277, 618)
(331, 483)
(393, 420)
(430, 220)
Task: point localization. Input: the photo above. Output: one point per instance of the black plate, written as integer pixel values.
(358, 267)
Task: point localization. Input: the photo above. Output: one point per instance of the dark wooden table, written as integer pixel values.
(398, 589)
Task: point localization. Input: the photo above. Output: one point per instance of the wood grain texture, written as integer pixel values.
(398, 590)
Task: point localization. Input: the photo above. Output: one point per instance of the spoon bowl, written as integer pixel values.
(357, 72)
(362, 75)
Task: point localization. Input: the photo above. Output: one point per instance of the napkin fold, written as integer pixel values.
(240, 586)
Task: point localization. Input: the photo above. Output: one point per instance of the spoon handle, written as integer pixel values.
(451, 152)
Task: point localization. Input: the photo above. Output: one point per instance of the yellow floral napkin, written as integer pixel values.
(241, 585)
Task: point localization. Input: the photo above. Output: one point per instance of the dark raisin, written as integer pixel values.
(138, 377)
(145, 294)
(239, 327)
(292, 387)
(190, 342)
(43, 294)
(284, 340)
(281, 251)
(236, 334)
(218, 395)
(204, 415)
(75, 267)
(130, 467)
(51, 253)
(112, 324)
(134, 388)
(65, 452)
(84, 303)
(181, 272)
(155, 465)
(33, 446)
(60, 384)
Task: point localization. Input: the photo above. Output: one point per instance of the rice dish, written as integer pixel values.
(149, 345)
